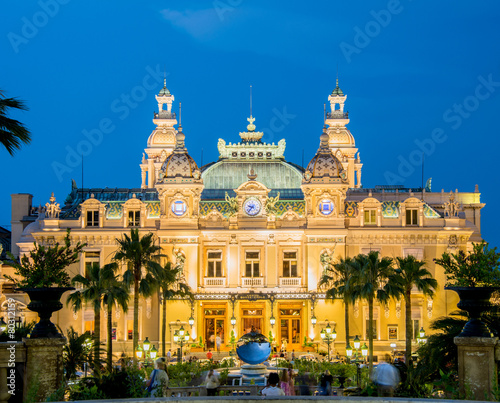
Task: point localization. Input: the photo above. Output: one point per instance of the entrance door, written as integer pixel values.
(252, 318)
(215, 323)
(290, 328)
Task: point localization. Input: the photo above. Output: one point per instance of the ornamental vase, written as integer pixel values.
(45, 301)
(475, 301)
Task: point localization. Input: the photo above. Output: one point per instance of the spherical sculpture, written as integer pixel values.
(253, 348)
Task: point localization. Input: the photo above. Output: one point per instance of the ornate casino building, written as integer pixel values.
(252, 233)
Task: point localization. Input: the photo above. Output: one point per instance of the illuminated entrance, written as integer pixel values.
(252, 317)
(290, 326)
(215, 325)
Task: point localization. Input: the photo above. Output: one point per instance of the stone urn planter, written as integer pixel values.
(45, 301)
(474, 300)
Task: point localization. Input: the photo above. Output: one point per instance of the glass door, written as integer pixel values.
(290, 329)
(215, 325)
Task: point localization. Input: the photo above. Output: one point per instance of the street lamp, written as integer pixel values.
(313, 320)
(328, 337)
(181, 337)
(153, 352)
(191, 321)
(272, 320)
(233, 321)
(421, 339)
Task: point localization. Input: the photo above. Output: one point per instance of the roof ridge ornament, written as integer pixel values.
(252, 175)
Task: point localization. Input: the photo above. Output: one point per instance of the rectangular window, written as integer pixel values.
(134, 218)
(252, 260)
(214, 268)
(370, 217)
(92, 259)
(290, 264)
(412, 217)
(374, 328)
(93, 218)
(416, 328)
(130, 329)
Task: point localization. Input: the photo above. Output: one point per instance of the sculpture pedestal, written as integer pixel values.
(44, 366)
(257, 373)
(477, 369)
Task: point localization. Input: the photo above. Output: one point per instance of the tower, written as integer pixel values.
(161, 142)
(341, 141)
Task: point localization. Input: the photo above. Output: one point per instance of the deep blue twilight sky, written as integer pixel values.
(410, 69)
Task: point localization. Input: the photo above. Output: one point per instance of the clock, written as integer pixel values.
(179, 207)
(252, 206)
(326, 207)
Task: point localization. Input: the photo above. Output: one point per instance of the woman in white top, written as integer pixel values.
(158, 382)
(273, 388)
(212, 383)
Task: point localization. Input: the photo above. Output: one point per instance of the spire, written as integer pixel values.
(180, 136)
(323, 140)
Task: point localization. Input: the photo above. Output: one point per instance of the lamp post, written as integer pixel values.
(421, 338)
(146, 350)
(328, 336)
(364, 352)
(181, 338)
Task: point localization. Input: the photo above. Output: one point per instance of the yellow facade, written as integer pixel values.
(252, 233)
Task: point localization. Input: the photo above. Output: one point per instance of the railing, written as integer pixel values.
(337, 115)
(229, 390)
(290, 281)
(215, 281)
(252, 281)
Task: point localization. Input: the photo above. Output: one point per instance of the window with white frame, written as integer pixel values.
(416, 320)
(134, 218)
(92, 259)
(370, 217)
(252, 264)
(214, 266)
(375, 322)
(412, 216)
(92, 218)
(290, 264)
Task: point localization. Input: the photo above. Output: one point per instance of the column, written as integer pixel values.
(151, 173)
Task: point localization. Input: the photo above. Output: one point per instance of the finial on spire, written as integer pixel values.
(250, 101)
(324, 112)
(180, 114)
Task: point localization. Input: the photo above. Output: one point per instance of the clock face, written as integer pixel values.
(326, 207)
(179, 207)
(252, 207)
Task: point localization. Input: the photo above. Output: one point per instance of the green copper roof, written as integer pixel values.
(337, 90)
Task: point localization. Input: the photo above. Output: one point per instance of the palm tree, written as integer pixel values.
(75, 353)
(117, 293)
(370, 282)
(410, 272)
(170, 286)
(141, 255)
(95, 286)
(337, 276)
(12, 132)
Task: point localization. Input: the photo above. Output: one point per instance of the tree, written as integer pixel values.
(370, 282)
(141, 256)
(117, 293)
(170, 286)
(12, 132)
(75, 352)
(338, 276)
(410, 272)
(95, 285)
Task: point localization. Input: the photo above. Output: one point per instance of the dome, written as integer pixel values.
(179, 164)
(324, 163)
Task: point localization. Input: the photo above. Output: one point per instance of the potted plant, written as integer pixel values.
(308, 346)
(474, 276)
(42, 275)
(197, 347)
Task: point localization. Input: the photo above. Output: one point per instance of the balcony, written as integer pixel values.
(290, 281)
(214, 281)
(252, 282)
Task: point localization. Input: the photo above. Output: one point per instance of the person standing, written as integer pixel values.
(272, 389)
(158, 382)
(209, 355)
(291, 382)
(169, 355)
(212, 383)
(326, 383)
(284, 385)
(218, 342)
(386, 377)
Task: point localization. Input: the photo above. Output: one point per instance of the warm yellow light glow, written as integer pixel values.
(146, 345)
(357, 342)
(348, 350)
